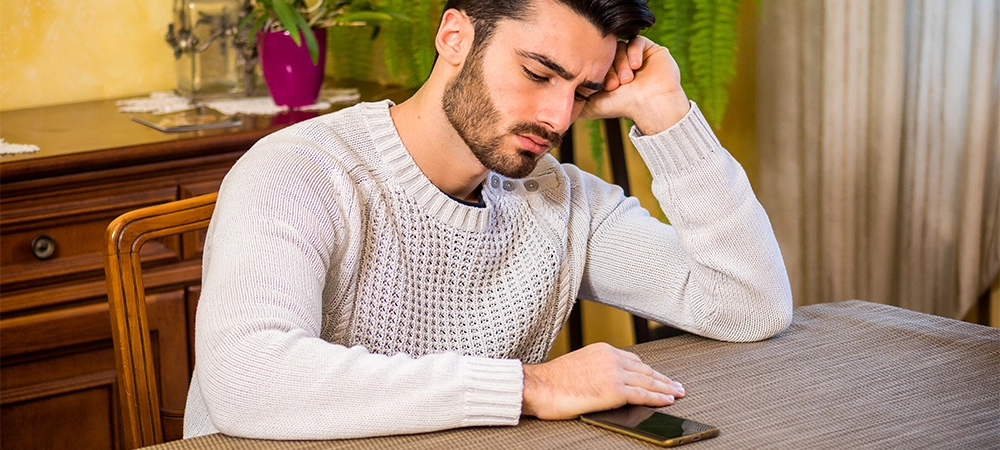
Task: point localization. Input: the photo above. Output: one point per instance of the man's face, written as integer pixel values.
(514, 99)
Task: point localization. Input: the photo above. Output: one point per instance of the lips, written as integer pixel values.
(533, 144)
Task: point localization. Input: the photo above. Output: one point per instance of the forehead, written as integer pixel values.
(556, 31)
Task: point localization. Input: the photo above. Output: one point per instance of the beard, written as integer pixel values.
(470, 110)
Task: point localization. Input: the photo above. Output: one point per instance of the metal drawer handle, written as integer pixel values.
(43, 247)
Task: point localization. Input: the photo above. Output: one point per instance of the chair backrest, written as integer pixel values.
(134, 356)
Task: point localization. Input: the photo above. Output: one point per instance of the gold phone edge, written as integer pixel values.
(667, 443)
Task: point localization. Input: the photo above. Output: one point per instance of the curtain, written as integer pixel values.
(878, 138)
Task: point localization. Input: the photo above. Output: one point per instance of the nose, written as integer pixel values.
(556, 111)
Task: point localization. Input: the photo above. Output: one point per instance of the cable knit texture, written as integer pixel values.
(344, 295)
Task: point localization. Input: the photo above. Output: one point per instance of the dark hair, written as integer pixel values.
(622, 18)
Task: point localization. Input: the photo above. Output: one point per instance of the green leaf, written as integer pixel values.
(311, 43)
(287, 17)
(701, 36)
(596, 139)
(713, 54)
(365, 16)
(257, 25)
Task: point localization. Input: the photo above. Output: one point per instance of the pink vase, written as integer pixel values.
(289, 72)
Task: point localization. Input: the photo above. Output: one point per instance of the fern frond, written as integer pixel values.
(595, 137)
(354, 52)
(406, 39)
(427, 14)
(713, 54)
(673, 30)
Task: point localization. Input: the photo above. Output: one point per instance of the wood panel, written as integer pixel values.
(54, 378)
(55, 422)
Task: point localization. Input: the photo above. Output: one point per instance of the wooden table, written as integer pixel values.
(843, 375)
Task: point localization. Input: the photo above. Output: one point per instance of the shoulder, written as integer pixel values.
(337, 133)
(333, 144)
(318, 164)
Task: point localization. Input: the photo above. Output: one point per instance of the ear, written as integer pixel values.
(454, 37)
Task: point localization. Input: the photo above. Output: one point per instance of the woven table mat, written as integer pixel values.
(529, 434)
(843, 375)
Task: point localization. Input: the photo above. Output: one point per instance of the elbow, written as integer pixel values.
(235, 412)
(769, 311)
(774, 321)
(769, 317)
(756, 326)
(226, 415)
(755, 321)
(238, 390)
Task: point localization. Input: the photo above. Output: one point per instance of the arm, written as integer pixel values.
(717, 271)
(264, 371)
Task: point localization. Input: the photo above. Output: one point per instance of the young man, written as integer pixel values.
(391, 269)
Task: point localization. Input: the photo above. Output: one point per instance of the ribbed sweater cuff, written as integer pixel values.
(678, 148)
(493, 396)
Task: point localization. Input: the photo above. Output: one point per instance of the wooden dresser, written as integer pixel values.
(57, 369)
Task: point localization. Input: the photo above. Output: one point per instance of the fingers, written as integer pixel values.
(628, 59)
(644, 377)
(619, 68)
(594, 378)
(645, 383)
(640, 396)
(636, 50)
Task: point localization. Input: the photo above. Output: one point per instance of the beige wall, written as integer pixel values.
(65, 51)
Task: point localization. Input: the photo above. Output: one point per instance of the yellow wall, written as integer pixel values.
(65, 51)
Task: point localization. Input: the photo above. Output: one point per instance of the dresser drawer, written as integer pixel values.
(61, 237)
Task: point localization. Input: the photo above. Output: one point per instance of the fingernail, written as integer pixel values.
(669, 398)
(679, 386)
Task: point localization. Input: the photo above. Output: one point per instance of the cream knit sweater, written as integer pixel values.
(344, 295)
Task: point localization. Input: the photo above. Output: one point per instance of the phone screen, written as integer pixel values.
(651, 426)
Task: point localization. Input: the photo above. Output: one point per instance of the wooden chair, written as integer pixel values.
(139, 393)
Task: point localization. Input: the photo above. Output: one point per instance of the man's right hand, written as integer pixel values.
(594, 378)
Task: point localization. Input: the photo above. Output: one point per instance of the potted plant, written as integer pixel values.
(293, 72)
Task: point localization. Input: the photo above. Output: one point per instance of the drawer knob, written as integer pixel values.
(43, 247)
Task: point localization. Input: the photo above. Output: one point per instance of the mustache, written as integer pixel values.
(535, 129)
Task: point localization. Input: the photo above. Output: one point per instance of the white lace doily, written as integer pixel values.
(156, 103)
(256, 105)
(167, 102)
(16, 149)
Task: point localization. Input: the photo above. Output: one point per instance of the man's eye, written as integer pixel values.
(534, 76)
(581, 97)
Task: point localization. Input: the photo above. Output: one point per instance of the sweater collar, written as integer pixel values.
(405, 171)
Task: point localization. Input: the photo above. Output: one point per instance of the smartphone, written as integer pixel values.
(651, 426)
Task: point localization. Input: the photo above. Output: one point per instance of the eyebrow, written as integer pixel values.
(560, 71)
